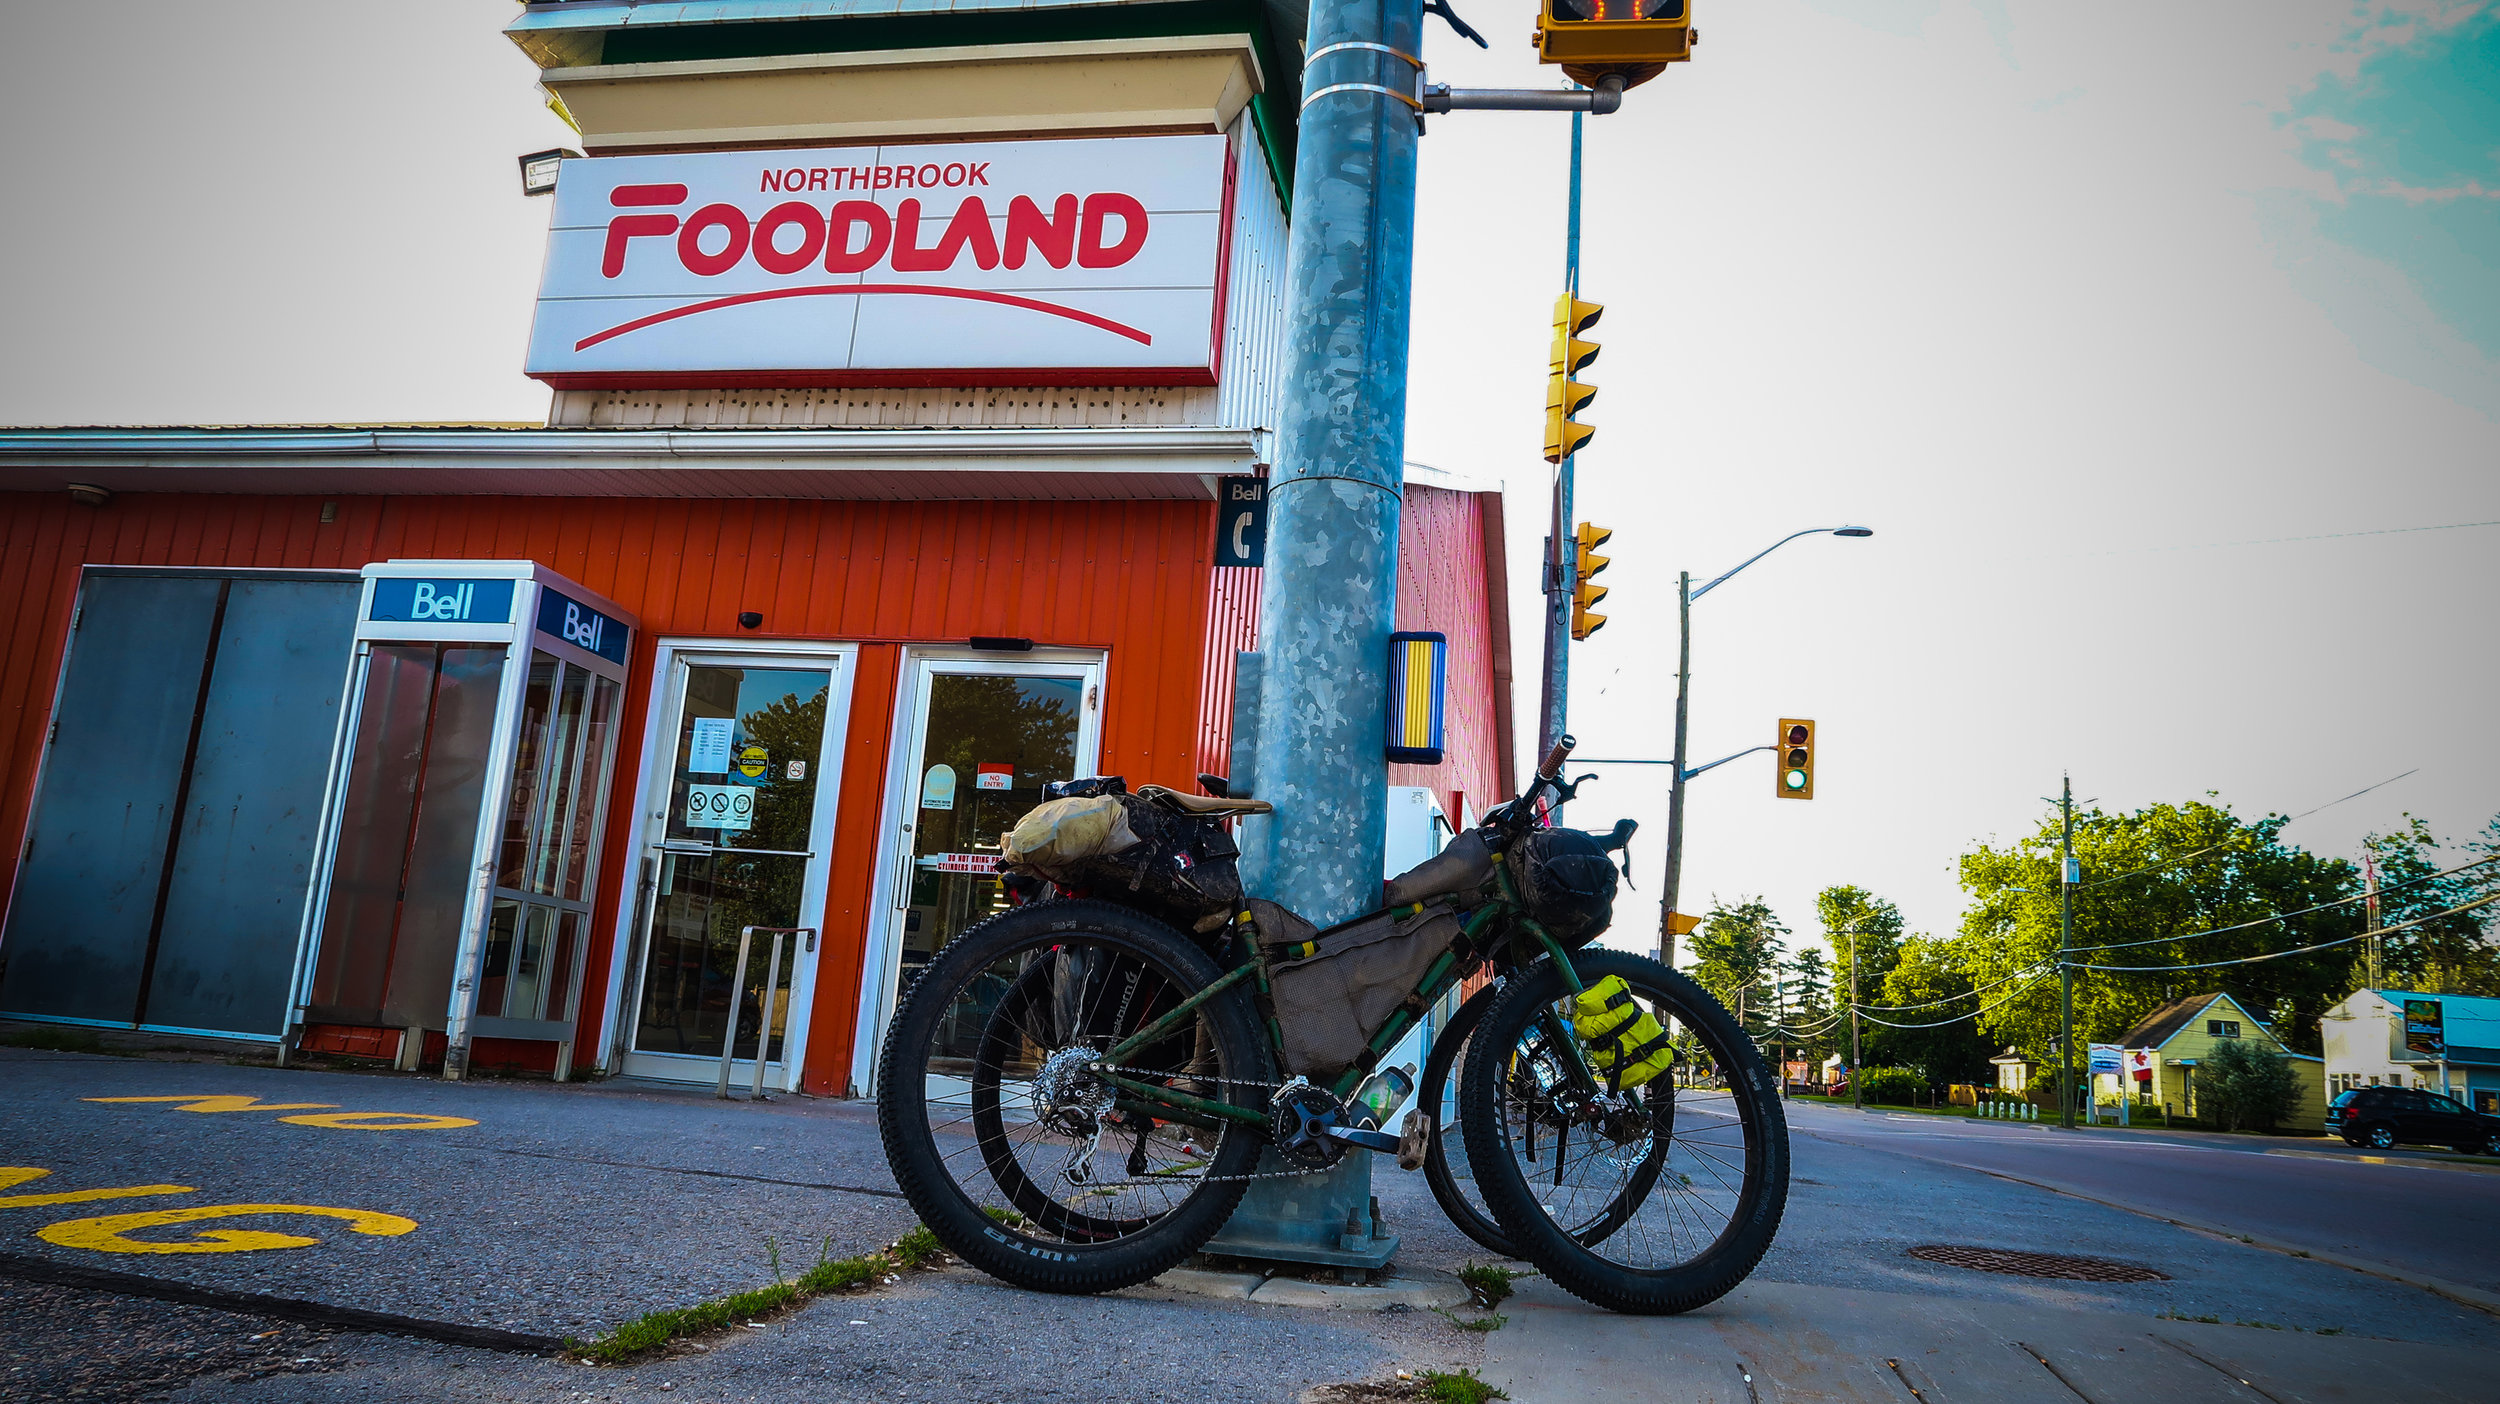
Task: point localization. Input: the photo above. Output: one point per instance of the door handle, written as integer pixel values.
(902, 877)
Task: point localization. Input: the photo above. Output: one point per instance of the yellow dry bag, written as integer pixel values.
(1618, 1032)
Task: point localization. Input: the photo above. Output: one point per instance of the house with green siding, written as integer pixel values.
(2179, 1036)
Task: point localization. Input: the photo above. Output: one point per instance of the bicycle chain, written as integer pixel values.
(1207, 1179)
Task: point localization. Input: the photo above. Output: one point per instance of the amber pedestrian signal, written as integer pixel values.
(1794, 748)
(1633, 40)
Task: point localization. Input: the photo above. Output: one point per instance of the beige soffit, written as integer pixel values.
(1197, 82)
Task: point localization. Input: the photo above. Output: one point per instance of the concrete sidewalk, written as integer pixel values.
(1769, 1342)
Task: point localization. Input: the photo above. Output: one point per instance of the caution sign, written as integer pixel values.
(753, 761)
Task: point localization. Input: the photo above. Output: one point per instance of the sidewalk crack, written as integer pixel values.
(2225, 1370)
(2055, 1373)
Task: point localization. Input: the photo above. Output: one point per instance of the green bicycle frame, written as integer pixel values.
(1438, 979)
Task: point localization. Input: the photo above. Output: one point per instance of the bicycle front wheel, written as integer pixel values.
(1004, 1127)
(1653, 1199)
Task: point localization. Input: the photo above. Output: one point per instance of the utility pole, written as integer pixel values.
(1675, 783)
(2065, 961)
(2369, 869)
(1561, 560)
(1856, 1081)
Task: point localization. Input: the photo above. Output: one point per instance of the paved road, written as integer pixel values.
(2411, 1213)
(566, 1210)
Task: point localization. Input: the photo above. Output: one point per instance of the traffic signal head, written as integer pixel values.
(1633, 40)
(1794, 750)
(1564, 396)
(1585, 595)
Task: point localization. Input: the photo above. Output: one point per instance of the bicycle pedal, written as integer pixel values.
(1414, 1139)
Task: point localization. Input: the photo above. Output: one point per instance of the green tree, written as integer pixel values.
(1928, 973)
(1806, 1005)
(2447, 954)
(1855, 917)
(1736, 956)
(2151, 878)
(2240, 1086)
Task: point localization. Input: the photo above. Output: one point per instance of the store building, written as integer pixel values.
(2401, 1038)
(906, 469)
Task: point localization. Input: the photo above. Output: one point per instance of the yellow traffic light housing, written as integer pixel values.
(1584, 595)
(1794, 749)
(1564, 396)
(1633, 40)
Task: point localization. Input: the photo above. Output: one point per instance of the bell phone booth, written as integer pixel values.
(459, 855)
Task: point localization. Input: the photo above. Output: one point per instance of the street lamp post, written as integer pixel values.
(1685, 594)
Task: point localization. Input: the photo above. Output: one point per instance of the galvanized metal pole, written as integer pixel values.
(1675, 783)
(1562, 557)
(1327, 597)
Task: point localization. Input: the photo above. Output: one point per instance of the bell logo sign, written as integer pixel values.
(964, 264)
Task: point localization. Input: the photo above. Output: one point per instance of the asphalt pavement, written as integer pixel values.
(2413, 1214)
(566, 1210)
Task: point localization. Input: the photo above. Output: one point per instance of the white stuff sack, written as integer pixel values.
(1057, 836)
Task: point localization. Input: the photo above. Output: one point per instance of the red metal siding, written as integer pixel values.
(1131, 578)
(1443, 586)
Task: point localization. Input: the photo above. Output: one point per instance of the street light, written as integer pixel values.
(1685, 595)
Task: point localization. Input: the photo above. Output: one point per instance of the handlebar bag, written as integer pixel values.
(1329, 1004)
(1566, 881)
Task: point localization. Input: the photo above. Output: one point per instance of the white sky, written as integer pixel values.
(2035, 290)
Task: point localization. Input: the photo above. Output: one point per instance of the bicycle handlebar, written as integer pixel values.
(1551, 769)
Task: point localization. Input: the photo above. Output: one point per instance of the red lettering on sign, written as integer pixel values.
(770, 256)
(1090, 249)
(816, 178)
(625, 227)
(979, 174)
(971, 225)
(840, 257)
(1028, 231)
(625, 195)
(690, 240)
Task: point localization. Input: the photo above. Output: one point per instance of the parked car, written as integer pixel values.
(2379, 1117)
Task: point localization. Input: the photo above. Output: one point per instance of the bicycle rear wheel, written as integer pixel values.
(1007, 1139)
(1654, 1199)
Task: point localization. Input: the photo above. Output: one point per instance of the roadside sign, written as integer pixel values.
(2108, 1058)
(2424, 1035)
(1241, 521)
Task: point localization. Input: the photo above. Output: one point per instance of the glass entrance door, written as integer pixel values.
(982, 738)
(739, 847)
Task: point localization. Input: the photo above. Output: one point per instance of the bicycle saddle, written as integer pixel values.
(1208, 806)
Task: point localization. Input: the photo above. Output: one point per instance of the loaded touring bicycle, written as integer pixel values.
(1076, 1093)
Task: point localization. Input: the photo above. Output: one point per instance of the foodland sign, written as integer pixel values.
(1016, 262)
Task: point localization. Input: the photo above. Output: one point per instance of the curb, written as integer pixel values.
(2419, 1163)
(1412, 1294)
(131, 1284)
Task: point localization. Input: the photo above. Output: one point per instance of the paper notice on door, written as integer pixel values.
(937, 787)
(995, 777)
(720, 806)
(983, 864)
(709, 755)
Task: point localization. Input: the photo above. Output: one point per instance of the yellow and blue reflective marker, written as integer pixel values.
(1419, 675)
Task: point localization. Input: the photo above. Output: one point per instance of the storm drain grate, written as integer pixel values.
(2016, 1263)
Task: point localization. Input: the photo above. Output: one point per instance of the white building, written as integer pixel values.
(2455, 1046)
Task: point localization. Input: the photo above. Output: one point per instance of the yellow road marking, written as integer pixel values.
(105, 1234)
(365, 1121)
(20, 1174)
(197, 1103)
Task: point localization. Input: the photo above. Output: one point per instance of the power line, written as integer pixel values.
(2279, 916)
(2287, 540)
(1966, 994)
(1958, 1018)
(2238, 837)
(2299, 950)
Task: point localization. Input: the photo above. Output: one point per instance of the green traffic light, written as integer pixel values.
(1796, 779)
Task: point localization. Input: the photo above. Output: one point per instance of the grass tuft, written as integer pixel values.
(641, 1337)
(1460, 1386)
(1489, 1283)
(918, 1248)
(1481, 1325)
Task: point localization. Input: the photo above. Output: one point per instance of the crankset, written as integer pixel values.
(1307, 1126)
